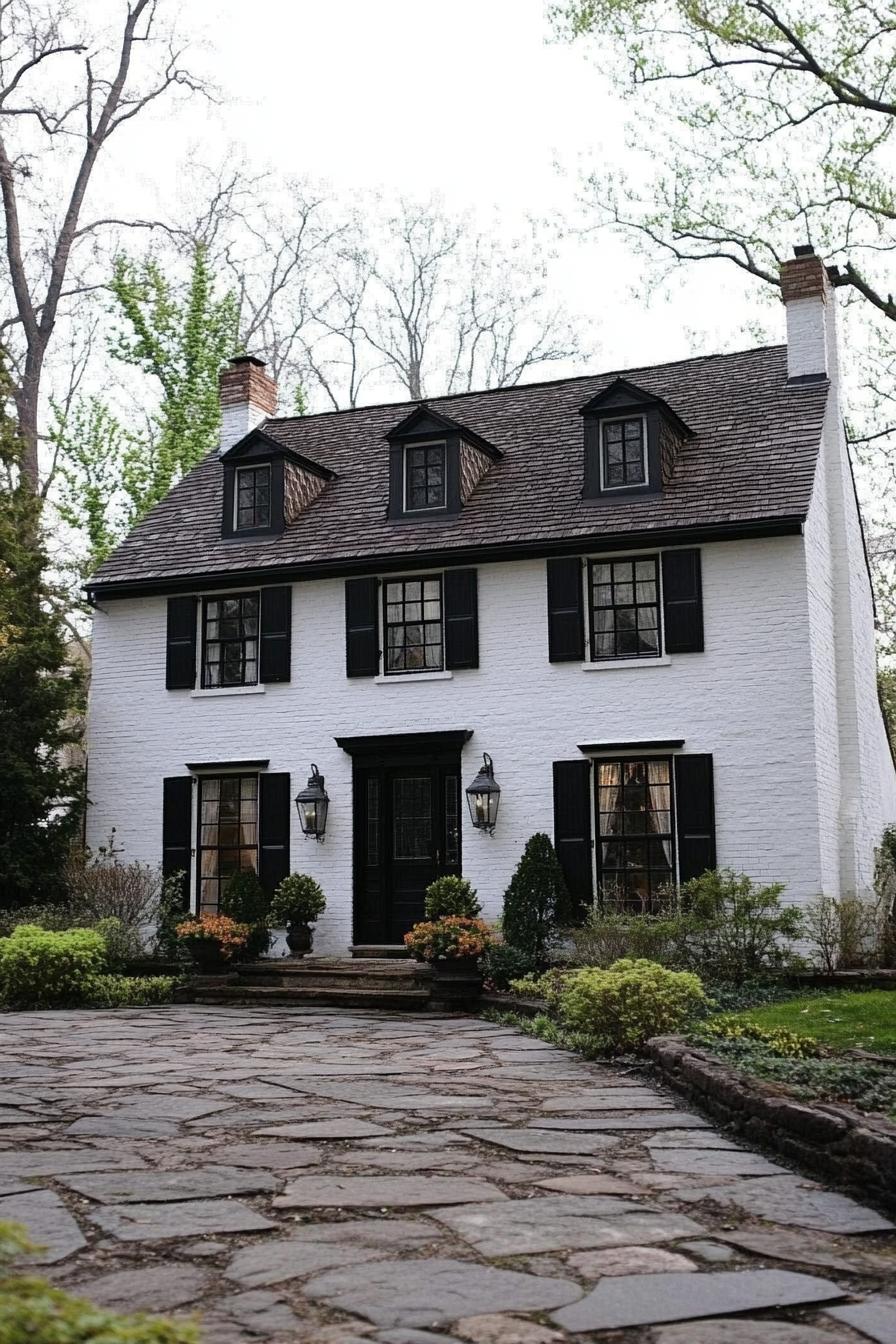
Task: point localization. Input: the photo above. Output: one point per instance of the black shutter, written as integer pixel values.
(682, 601)
(274, 811)
(276, 627)
(362, 649)
(695, 815)
(566, 628)
(177, 814)
(180, 651)
(572, 832)
(461, 619)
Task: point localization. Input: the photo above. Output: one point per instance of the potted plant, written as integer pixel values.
(212, 940)
(451, 945)
(296, 904)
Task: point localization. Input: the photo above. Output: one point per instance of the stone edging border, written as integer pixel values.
(850, 1149)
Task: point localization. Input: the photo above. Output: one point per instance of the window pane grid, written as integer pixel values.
(623, 453)
(625, 608)
(425, 477)
(635, 836)
(253, 497)
(230, 640)
(413, 625)
(228, 834)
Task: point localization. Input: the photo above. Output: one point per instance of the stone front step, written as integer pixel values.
(394, 951)
(335, 973)
(327, 981)
(349, 996)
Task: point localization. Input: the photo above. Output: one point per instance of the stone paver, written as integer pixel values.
(650, 1299)
(323, 1177)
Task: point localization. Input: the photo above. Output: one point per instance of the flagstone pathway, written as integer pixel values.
(353, 1178)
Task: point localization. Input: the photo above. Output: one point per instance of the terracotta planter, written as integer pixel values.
(299, 939)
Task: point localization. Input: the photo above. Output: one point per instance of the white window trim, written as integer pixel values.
(645, 457)
(424, 443)
(389, 678)
(210, 692)
(626, 664)
(236, 496)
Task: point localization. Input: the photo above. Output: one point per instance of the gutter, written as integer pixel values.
(788, 525)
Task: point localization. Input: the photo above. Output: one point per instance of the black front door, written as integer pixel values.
(407, 833)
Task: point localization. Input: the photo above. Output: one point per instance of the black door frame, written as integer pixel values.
(394, 752)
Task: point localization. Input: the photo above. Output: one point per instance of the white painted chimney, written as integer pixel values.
(811, 318)
(248, 396)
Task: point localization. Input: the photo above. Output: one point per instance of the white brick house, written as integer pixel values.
(644, 596)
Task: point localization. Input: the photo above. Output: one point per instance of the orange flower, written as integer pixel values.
(448, 938)
(221, 929)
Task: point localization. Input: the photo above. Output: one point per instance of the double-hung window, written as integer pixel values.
(625, 608)
(623, 454)
(424, 477)
(412, 620)
(228, 834)
(230, 640)
(636, 860)
(252, 498)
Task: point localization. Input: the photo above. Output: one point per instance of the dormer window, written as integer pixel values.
(631, 442)
(424, 477)
(624, 452)
(266, 485)
(253, 498)
(435, 465)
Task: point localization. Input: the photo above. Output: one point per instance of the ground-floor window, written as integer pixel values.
(636, 857)
(228, 833)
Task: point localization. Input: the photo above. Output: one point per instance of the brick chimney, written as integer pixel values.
(248, 396)
(809, 304)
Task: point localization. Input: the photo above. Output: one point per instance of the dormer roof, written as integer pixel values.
(259, 444)
(621, 396)
(424, 422)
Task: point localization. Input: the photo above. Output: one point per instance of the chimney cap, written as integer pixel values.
(804, 250)
(238, 360)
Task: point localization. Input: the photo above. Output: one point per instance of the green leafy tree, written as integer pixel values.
(180, 340)
(40, 693)
(178, 337)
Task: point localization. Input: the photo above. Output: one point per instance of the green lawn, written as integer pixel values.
(844, 1019)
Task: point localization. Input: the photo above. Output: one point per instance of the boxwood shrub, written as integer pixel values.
(40, 968)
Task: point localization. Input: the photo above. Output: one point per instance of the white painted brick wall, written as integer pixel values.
(751, 700)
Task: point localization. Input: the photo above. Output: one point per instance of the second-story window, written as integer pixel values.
(230, 640)
(623, 453)
(625, 608)
(413, 625)
(424, 477)
(252, 502)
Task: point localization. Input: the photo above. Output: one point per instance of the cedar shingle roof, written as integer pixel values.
(752, 461)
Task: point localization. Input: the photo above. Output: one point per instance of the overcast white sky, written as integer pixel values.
(471, 100)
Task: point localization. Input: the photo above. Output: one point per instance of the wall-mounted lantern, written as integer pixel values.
(312, 804)
(483, 797)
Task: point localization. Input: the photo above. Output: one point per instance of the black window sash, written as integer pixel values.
(634, 469)
(431, 460)
(403, 622)
(663, 871)
(243, 640)
(258, 480)
(234, 843)
(593, 608)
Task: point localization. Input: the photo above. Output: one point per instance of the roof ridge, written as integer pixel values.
(519, 387)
